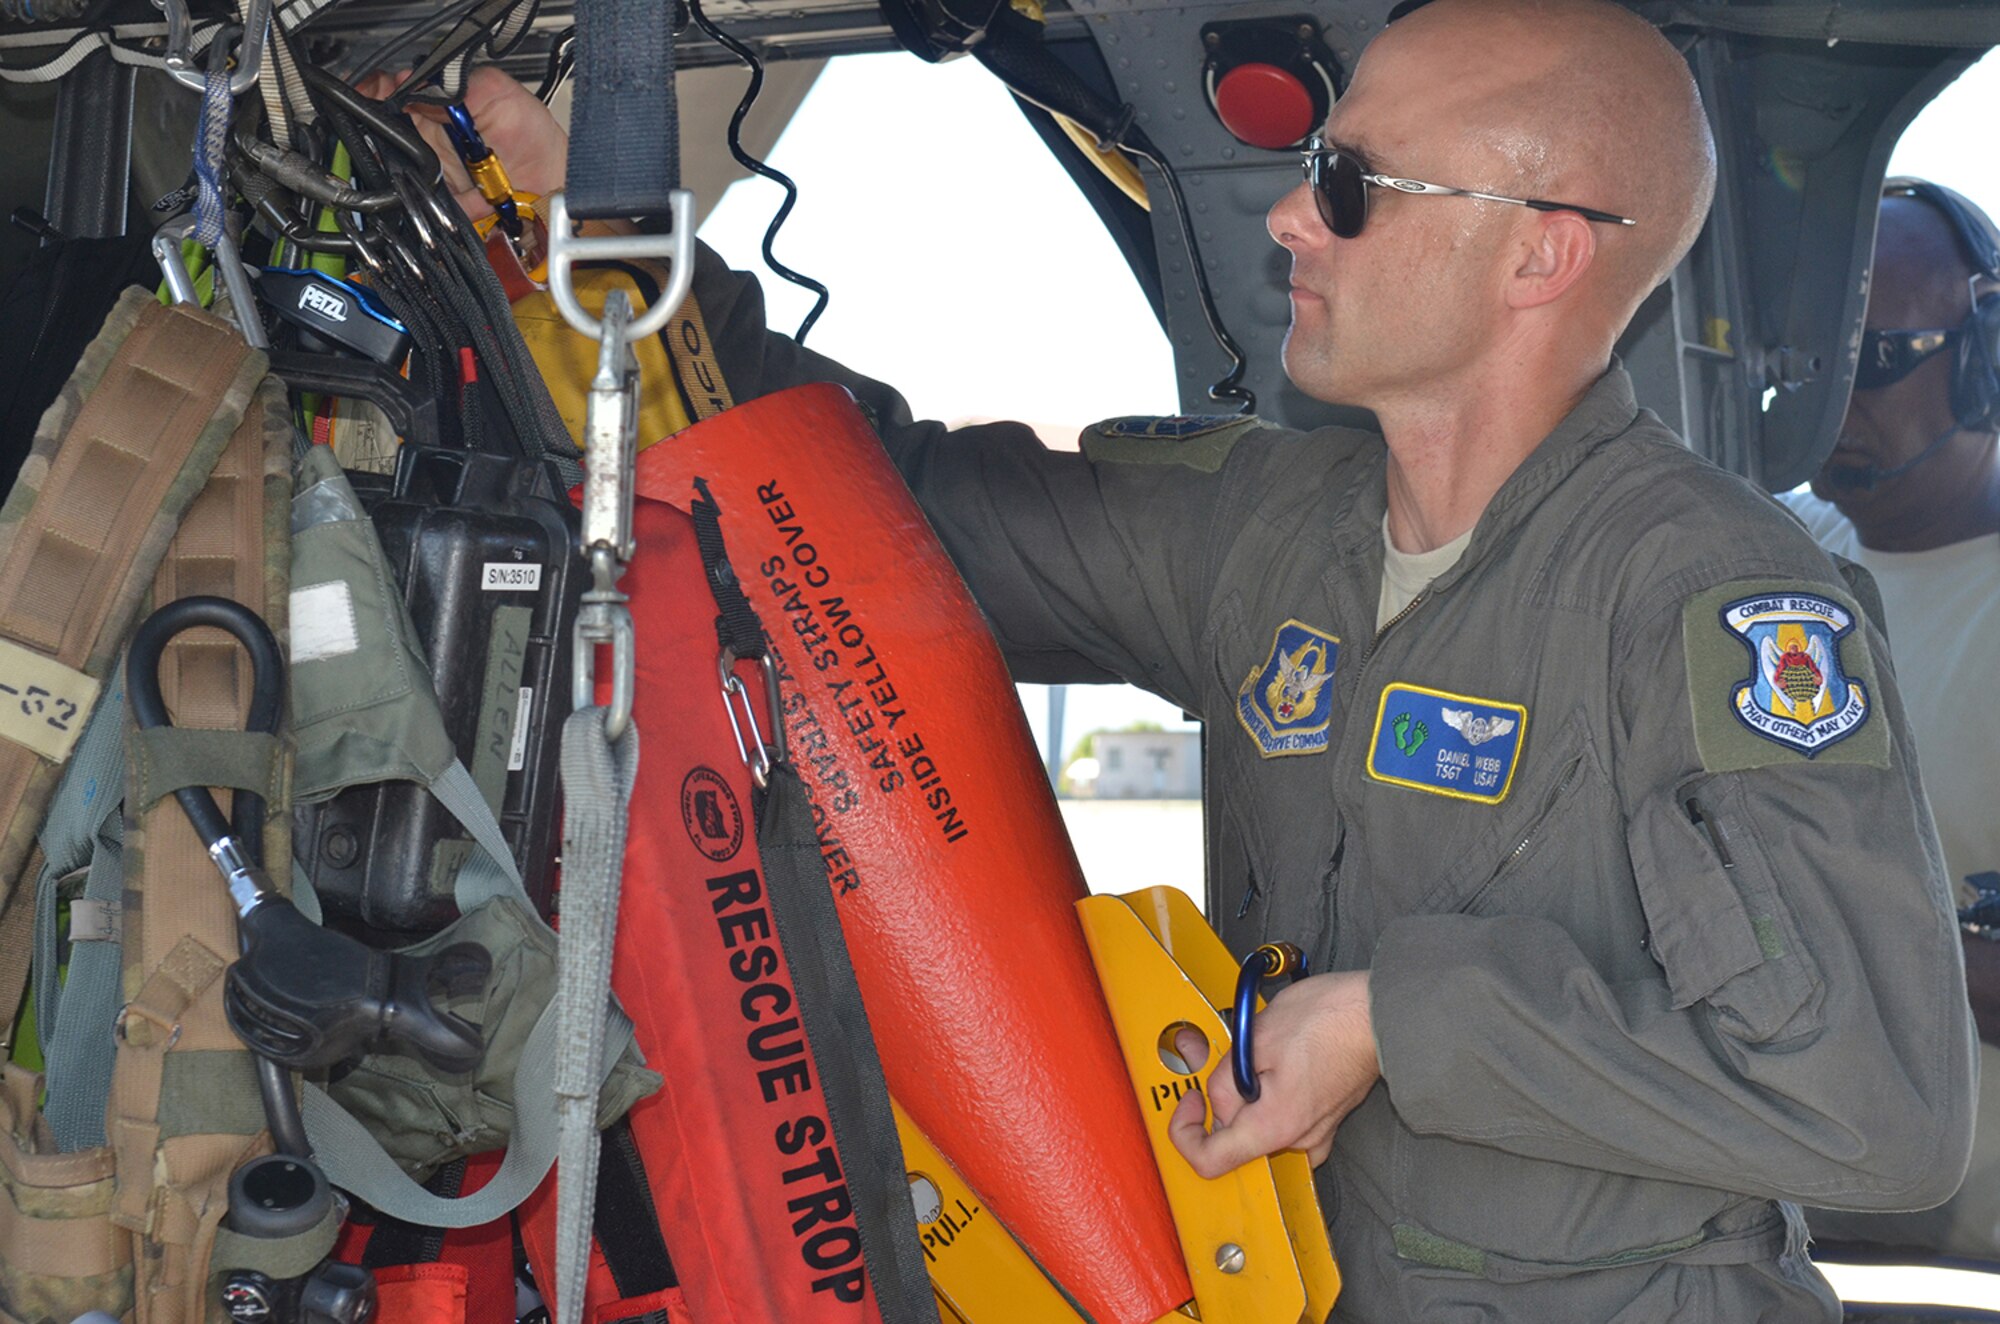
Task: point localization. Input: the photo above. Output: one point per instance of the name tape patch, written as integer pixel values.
(43, 704)
(1447, 744)
(1286, 703)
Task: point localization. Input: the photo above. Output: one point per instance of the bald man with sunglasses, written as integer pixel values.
(1574, 766)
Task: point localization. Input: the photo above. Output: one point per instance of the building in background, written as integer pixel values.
(1139, 765)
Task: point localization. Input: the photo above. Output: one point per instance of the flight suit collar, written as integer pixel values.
(1606, 410)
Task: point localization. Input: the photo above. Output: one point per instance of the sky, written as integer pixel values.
(967, 270)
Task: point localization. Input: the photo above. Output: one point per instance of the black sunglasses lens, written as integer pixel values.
(1341, 192)
(1889, 356)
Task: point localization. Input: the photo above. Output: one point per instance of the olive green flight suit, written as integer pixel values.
(1640, 971)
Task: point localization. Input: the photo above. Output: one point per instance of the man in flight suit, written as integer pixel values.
(1571, 761)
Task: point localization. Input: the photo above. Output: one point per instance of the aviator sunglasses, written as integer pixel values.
(1340, 181)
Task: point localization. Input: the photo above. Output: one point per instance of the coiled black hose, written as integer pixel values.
(246, 822)
(751, 163)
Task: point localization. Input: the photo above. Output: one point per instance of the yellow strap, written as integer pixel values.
(703, 390)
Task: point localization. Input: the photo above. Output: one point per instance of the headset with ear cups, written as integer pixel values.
(1975, 367)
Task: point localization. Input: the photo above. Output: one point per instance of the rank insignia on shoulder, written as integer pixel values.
(1286, 704)
(1448, 744)
(1195, 441)
(1176, 429)
(1809, 685)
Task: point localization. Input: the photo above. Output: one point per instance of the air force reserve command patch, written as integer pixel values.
(1447, 744)
(1286, 704)
(1780, 671)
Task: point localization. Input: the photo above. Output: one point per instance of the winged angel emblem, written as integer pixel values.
(1797, 669)
(1476, 730)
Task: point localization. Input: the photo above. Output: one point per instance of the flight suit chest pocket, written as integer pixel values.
(1717, 918)
(1497, 854)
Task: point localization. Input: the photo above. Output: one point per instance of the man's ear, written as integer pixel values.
(1561, 246)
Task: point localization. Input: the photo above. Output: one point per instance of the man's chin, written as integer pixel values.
(1836, 485)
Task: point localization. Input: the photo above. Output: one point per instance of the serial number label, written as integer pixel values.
(511, 577)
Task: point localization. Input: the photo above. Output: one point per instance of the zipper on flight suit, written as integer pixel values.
(1391, 624)
(1533, 831)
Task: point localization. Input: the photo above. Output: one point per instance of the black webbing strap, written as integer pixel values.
(469, 31)
(843, 1048)
(624, 157)
(395, 1242)
(737, 628)
(628, 1224)
(829, 999)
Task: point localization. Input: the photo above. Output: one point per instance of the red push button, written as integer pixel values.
(1264, 105)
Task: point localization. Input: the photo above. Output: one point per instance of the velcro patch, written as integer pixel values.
(1196, 441)
(1778, 672)
(1447, 744)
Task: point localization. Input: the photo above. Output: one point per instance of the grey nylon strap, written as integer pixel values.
(490, 871)
(597, 777)
(354, 1161)
(74, 1018)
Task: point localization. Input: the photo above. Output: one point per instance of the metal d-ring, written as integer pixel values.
(566, 248)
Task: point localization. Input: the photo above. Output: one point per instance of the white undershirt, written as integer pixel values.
(1406, 574)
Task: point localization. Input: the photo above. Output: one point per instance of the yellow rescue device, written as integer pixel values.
(1254, 1239)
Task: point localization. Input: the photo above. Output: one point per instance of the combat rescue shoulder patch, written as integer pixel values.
(1195, 441)
(1780, 672)
(1286, 703)
(1447, 744)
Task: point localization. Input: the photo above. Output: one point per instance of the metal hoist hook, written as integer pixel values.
(610, 433)
(610, 438)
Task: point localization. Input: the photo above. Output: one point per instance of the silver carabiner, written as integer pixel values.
(758, 756)
(229, 270)
(566, 248)
(181, 62)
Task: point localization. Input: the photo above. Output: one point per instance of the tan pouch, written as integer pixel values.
(59, 1253)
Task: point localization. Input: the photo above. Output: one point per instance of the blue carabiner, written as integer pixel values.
(465, 133)
(1267, 962)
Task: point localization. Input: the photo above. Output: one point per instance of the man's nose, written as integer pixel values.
(1294, 222)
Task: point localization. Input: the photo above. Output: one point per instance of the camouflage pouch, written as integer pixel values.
(62, 1255)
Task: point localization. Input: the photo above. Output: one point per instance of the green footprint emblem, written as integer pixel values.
(1410, 735)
